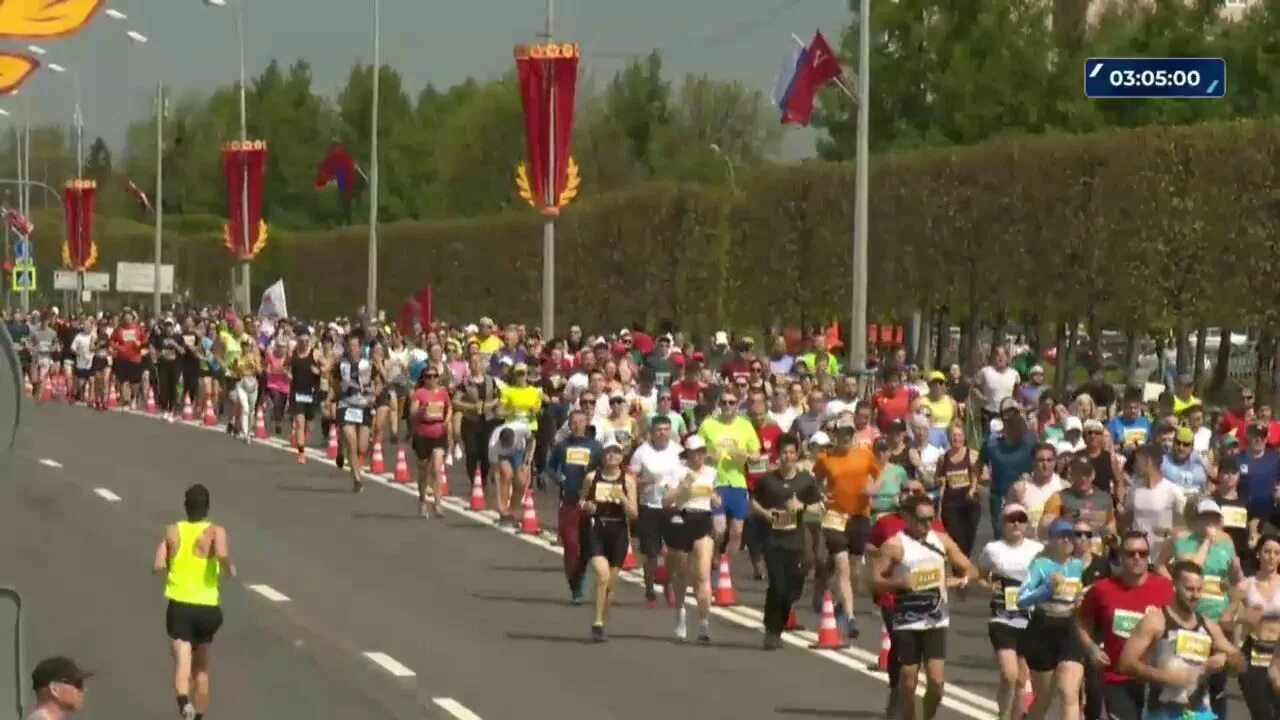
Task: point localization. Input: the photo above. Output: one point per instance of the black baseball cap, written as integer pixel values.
(58, 669)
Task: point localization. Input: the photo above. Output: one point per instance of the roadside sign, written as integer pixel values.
(24, 278)
(93, 281)
(22, 250)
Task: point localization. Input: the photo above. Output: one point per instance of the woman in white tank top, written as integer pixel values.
(1256, 613)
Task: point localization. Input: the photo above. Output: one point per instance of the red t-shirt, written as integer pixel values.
(882, 532)
(1109, 595)
(892, 407)
(768, 434)
(127, 342)
(736, 368)
(433, 405)
(684, 395)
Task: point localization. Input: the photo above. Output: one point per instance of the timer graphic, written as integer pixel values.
(1155, 78)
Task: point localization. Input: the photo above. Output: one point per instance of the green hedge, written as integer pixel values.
(1143, 227)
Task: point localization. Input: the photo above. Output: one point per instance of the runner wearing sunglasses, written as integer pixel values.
(1056, 659)
(1003, 566)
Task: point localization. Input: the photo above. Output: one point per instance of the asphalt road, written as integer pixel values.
(349, 606)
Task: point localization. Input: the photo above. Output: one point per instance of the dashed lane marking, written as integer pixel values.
(455, 708)
(390, 664)
(50, 463)
(269, 593)
(106, 494)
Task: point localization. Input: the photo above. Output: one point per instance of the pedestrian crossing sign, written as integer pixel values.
(24, 278)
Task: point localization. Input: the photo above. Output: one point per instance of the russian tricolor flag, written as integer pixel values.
(339, 168)
(805, 71)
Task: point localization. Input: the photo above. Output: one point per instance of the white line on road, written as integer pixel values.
(50, 463)
(390, 664)
(963, 701)
(106, 494)
(455, 708)
(269, 593)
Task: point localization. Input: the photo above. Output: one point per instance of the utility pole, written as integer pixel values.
(247, 297)
(858, 317)
(371, 297)
(549, 225)
(158, 208)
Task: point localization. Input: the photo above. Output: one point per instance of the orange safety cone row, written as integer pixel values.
(793, 623)
(260, 425)
(188, 412)
(377, 465)
(724, 595)
(629, 563)
(210, 417)
(477, 493)
(529, 519)
(402, 466)
(829, 637)
(331, 451)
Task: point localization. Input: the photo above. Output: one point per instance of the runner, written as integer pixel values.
(1153, 504)
(508, 458)
(570, 461)
(1175, 649)
(43, 342)
(247, 368)
(690, 536)
(1235, 514)
(958, 505)
(732, 442)
(1056, 660)
(781, 497)
(847, 474)
(1003, 566)
(129, 349)
(195, 553)
(1082, 501)
(304, 390)
(913, 565)
(609, 502)
(82, 352)
(1256, 612)
(354, 393)
(58, 684)
(431, 411)
(521, 403)
(1034, 490)
(656, 465)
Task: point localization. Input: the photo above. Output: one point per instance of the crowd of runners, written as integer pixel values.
(1134, 557)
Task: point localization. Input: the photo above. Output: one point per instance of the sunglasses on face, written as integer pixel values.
(1182, 444)
(616, 401)
(728, 403)
(1016, 519)
(1084, 534)
(1136, 553)
(924, 519)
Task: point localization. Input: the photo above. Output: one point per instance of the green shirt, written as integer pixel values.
(721, 437)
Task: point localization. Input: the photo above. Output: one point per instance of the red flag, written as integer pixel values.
(339, 168)
(818, 65)
(138, 195)
(416, 311)
(79, 252)
(241, 162)
(548, 76)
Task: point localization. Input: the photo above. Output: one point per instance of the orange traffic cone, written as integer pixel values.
(113, 400)
(402, 466)
(442, 487)
(793, 623)
(377, 465)
(210, 417)
(660, 572)
(46, 391)
(529, 521)
(477, 493)
(629, 563)
(188, 412)
(260, 425)
(725, 596)
(331, 451)
(829, 637)
(886, 647)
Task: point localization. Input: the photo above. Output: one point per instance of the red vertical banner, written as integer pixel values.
(415, 312)
(79, 252)
(244, 162)
(548, 75)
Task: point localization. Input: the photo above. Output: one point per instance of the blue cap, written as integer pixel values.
(1061, 527)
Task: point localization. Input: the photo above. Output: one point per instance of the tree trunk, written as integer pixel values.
(1181, 350)
(924, 336)
(972, 347)
(1222, 367)
(1073, 337)
(1094, 328)
(1198, 365)
(1061, 348)
(1131, 358)
(942, 333)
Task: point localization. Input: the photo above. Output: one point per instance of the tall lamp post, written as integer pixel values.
(247, 296)
(858, 317)
(371, 297)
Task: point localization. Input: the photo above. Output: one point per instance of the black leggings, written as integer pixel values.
(960, 516)
(167, 385)
(190, 380)
(475, 442)
(1261, 699)
(279, 403)
(786, 581)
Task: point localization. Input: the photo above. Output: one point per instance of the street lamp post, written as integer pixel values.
(549, 225)
(247, 297)
(371, 298)
(858, 317)
(733, 185)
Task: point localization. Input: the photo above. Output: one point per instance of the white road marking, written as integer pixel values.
(269, 593)
(50, 463)
(390, 664)
(856, 659)
(106, 494)
(455, 708)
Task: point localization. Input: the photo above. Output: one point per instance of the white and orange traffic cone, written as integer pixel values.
(152, 408)
(793, 622)
(478, 502)
(260, 425)
(529, 518)
(331, 450)
(442, 487)
(377, 465)
(210, 417)
(188, 412)
(402, 466)
(829, 637)
(724, 595)
(886, 647)
(629, 562)
(113, 400)
(660, 572)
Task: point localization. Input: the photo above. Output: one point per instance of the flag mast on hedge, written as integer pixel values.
(549, 179)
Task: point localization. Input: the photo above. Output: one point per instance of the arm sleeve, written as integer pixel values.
(1035, 589)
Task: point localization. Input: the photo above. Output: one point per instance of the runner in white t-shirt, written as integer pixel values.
(656, 465)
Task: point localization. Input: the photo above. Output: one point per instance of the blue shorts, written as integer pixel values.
(735, 503)
(1174, 714)
(516, 459)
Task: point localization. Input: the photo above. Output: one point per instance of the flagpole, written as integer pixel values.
(247, 297)
(371, 298)
(158, 208)
(858, 306)
(549, 225)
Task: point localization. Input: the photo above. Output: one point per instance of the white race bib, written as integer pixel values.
(353, 415)
(1235, 517)
(302, 398)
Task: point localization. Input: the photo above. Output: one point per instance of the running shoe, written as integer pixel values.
(682, 625)
(597, 634)
(188, 712)
(650, 599)
(704, 633)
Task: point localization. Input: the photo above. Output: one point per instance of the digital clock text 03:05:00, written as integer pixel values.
(1154, 78)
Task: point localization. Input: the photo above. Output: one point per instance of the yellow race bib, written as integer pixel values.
(926, 579)
(435, 411)
(1067, 590)
(835, 520)
(1235, 517)
(784, 520)
(957, 479)
(1193, 647)
(1011, 598)
(701, 491)
(608, 492)
(1259, 659)
(578, 457)
(1213, 588)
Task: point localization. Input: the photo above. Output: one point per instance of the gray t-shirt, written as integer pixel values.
(42, 339)
(42, 715)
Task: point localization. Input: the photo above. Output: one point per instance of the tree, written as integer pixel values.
(710, 113)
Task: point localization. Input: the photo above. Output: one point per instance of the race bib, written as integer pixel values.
(1212, 588)
(622, 436)
(1095, 545)
(957, 479)
(835, 520)
(303, 399)
(687, 405)
(44, 347)
(663, 379)
(758, 465)
(608, 492)
(353, 415)
(435, 411)
(1033, 517)
(701, 491)
(784, 520)
(1011, 598)
(1124, 622)
(578, 457)
(1067, 590)
(1234, 516)
(129, 336)
(1135, 436)
(1258, 658)
(1193, 647)
(926, 579)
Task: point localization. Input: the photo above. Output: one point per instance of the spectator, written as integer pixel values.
(59, 687)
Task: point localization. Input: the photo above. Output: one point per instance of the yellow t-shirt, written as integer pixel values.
(941, 412)
(725, 436)
(522, 404)
(489, 346)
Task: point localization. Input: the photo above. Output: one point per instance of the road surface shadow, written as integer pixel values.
(822, 713)
(314, 489)
(662, 640)
(525, 568)
(389, 516)
(525, 600)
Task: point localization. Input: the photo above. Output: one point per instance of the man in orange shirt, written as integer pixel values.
(846, 473)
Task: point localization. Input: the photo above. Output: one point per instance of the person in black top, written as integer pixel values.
(169, 351)
(608, 501)
(781, 497)
(304, 389)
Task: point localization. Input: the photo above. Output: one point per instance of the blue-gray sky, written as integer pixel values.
(193, 45)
